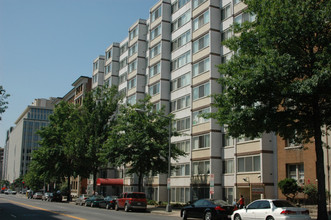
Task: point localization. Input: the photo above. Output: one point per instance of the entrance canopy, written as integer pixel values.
(109, 182)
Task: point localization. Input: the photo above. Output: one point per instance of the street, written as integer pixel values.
(19, 207)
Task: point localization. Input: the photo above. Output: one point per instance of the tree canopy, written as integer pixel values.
(140, 140)
(279, 78)
(3, 102)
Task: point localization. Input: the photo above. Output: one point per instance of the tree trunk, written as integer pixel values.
(94, 181)
(69, 190)
(140, 178)
(322, 212)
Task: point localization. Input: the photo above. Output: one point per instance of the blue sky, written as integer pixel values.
(45, 45)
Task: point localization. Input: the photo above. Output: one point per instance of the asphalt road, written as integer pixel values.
(17, 207)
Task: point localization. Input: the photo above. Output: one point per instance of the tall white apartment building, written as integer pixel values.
(22, 140)
(173, 57)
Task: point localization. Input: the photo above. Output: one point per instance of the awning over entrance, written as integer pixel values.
(109, 182)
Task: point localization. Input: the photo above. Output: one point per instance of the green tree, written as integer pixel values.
(59, 154)
(4, 183)
(3, 102)
(140, 141)
(97, 112)
(311, 191)
(289, 188)
(279, 77)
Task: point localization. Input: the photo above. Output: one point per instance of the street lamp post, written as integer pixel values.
(168, 207)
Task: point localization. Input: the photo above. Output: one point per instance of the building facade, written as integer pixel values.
(173, 56)
(22, 140)
(297, 161)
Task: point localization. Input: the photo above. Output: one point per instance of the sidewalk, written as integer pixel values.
(162, 211)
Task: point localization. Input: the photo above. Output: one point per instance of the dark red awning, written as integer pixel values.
(109, 182)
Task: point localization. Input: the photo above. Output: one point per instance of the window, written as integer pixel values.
(249, 164)
(236, 1)
(226, 12)
(132, 100)
(154, 70)
(181, 60)
(201, 43)
(156, 14)
(227, 140)
(156, 107)
(202, 141)
(244, 17)
(201, 91)
(181, 21)
(197, 3)
(201, 21)
(228, 195)
(154, 89)
(181, 170)
(296, 172)
(226, 34)
(122, 92)
(181, 124)
(201, 67)
(156, 50)
(95, 78)
(108, 54)
(228, 166)
(156, 32)
(183, 146)
(177, 5)
(132, 66)
(198, 119)
(226, 57)
(201, 167)
(181, 40)
(133, 49)
(181, 81)
(132, 83)
(133, 33)
(123, 48)
(123, 77)
(181, 195)
(123, 63)
(108, 68)
(95, 65)
(181, 103)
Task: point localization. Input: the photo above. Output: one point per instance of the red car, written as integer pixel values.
(131, 201)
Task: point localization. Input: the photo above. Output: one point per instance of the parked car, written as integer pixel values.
(271, 209)
(37, 195)
(94, 201)
(131, 201)
(10, 192)
(208, 209)
(108, 203)
(55, 197)
(46, 196)
(81, 199)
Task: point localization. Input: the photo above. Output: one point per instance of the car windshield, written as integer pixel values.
(282, 203)
(137, 196)
(220, 202)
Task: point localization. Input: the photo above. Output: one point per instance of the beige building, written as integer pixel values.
(173, 57)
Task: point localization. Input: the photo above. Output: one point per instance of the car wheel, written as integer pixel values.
(270, 218)
(80, 203)
(208, 216)
(85, 203)
(116, 207)
(237, 217)
(126, 208)
(184, 215)
(92, 204)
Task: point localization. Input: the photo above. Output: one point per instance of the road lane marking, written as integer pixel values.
(46, 210)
